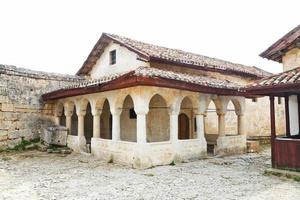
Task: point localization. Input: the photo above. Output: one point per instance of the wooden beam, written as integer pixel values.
(287, 116)
(273, 129)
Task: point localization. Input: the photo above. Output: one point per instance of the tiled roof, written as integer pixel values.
(150, 51)
(284, 78)
(287, 42)
(94, 82)
(147, 76)
(199, 80)
(154, 72)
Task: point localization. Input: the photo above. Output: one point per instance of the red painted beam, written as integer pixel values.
(298, 98)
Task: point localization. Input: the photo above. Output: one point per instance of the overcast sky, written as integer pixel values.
(57, 36)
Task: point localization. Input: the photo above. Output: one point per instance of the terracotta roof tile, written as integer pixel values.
(187, 57)
(150, 51)
(200, 80)
(284, 78)
(153, 72)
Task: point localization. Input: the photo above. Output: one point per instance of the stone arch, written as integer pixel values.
(231, 127)
(211, 122)
(106, 121)
(158, 120)
(81, 106)
(186, 121)
(74, 122)
(70, 107)
(165, 95)
(128, 120)
(59, 107)
(62, 117)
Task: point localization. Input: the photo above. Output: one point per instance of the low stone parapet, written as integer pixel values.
(147, 155)
(233, 144)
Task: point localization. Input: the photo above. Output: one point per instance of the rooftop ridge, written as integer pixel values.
(186, 57)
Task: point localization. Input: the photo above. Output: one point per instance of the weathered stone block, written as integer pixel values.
(55, 135)
(7, 107)
(5, 125)
(14, 135)
(3, 135)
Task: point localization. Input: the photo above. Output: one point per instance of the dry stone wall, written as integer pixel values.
(22, 113)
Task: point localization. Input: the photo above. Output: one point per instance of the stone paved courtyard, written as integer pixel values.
(38, 175)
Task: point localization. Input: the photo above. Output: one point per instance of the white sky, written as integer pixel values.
(58, 35)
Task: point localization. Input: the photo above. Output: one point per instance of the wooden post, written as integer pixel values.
(273, 129)
(287, 116)
(298, 98)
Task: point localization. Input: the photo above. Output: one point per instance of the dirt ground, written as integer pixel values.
(38, 175)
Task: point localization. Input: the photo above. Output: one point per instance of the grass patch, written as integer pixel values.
(25, 143)
(283, 173)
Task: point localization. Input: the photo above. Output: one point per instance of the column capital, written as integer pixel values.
(173, 112)
(198, 112)
(221, 113)
(68, 113)
(116, 111)
(141, 109)
(81, 113)
(96, 112)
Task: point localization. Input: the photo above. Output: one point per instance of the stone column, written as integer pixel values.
(96, 122)
(173, 126)
(69, 122)
(57, 120)
(68, 113)
(141, 128)
(241, 125)
(221, 124)
(81, 124)
(200, 126)
(116, 124)
(96, 126)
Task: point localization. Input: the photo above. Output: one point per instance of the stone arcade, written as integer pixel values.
(144, 105)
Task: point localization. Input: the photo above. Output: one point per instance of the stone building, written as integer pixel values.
(145, 105)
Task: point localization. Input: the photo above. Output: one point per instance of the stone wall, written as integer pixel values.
(21, 107)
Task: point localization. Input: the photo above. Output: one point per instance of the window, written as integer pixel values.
(132, 114)
(254, 99)
(112, 57)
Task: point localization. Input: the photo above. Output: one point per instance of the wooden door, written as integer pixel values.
(183, 127)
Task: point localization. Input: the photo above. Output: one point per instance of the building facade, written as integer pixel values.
(144, 105)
